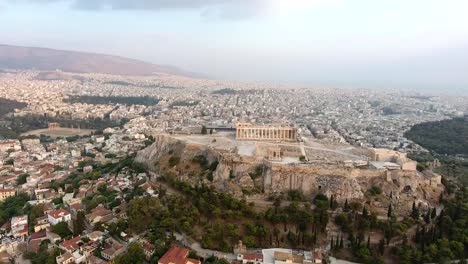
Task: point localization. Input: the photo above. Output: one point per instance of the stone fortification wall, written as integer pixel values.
(344, 183)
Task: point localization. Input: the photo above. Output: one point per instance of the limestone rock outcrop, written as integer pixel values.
(235, 173)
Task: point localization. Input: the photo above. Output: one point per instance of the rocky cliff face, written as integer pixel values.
(235, 174)
(162, 147)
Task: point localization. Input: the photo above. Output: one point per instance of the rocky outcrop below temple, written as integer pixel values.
(244, 175)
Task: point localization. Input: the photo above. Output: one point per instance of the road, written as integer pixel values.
(205, 253)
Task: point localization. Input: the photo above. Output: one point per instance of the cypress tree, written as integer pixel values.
(433, 213)
(417, 236)
(414, 211)
(389, 212)
(381, 246)
(351, 238)
(427, 217)
(365, 214)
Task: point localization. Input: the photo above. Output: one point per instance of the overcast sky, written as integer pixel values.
(419, 44)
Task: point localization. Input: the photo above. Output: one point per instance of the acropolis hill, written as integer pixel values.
(256, 169)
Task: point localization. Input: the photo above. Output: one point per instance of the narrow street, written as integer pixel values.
(205, 253)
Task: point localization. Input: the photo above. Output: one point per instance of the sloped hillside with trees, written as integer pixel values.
(444, 137)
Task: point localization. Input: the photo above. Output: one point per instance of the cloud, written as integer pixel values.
(208, 9)
(146, 4)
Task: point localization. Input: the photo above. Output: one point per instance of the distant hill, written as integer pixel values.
(43, 59)
(444, 137)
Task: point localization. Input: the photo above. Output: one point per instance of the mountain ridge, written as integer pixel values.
(48, 59)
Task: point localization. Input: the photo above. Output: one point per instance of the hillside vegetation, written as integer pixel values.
(444, 137)
(126, 100)
(7, 106)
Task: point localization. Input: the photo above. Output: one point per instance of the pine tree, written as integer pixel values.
(368, 241)
(332, 244)
(389, 212)
(341, 242)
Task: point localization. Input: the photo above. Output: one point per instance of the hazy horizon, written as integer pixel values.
(417, 45)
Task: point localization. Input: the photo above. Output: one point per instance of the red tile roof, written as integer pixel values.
(6, 226)
(71, 244)
(38, 235)
(59, 213)
(177, 255)
(76, 206)
(253, 256)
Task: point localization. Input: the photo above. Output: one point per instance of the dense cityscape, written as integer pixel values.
(73, 192)
(233, 132)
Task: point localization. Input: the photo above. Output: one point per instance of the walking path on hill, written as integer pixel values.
(205, 253)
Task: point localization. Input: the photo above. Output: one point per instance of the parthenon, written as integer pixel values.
(273, 132)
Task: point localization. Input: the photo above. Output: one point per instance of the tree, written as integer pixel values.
(381, 246)
(173, 160)
(141, 212)
(79, 225)
(427, 217)
(302, 158)
(134, 254)
(62, 230)
(216, 260)
(35, 212)
(12, 206)
(20, 180)
(414, 211)
(433, 213)
(389, 212)
(346, 206)
(365, 213)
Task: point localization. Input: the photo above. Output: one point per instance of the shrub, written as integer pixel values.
(174, 161)
(375, 190)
